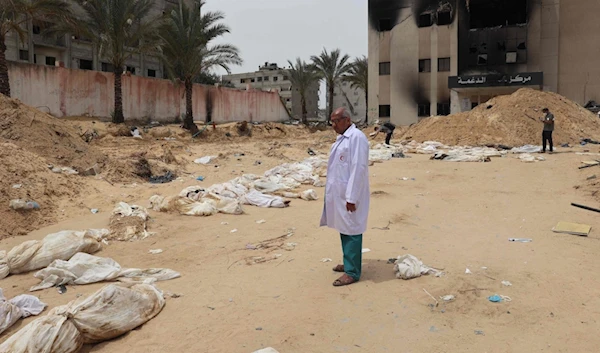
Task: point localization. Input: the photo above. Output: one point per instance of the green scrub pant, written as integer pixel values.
(352, 248)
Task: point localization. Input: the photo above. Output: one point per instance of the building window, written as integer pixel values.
(35, 58)
(385, 111)
(444, 18)
(385, 24)
(259, 79)
(24, 55)
(37, 29)
(443, 109)
(384, 68)
(86, 64)
(285, 78)
(275, 78)
(424, 109)
(50, 61)
(106, 67)
(482, 59)
(425, 65)
(151, 73)
(251, 80)
(131, 70)
(425, 20)
(443, 64)
(242, 80)
(474, 104)
(266, 78)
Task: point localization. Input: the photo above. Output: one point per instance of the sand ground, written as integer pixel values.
(453, 216)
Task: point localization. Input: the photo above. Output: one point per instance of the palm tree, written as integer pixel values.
(14, 14)
(358, 77)
(186, 37)
(119, 28)
(303, 76)
(332, 66)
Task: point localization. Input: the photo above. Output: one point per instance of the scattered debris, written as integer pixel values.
(432, 297)
(205, 160)
(384, 228)
(479, 333)
(233, 231)
(585, 207)
(448, 298)
(200, 178)
(499, 298)
(19, 204)
(17, 186)
(162, 179)
(366, 250)
(467, 271)
(408, 267)
(521, 240)
(572, 228)
(506, 283)
(62, 289)
(94, 210)
(155, 251)
(326, 259)
(261, 221)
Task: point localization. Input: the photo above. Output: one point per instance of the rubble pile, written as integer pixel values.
(510, 120)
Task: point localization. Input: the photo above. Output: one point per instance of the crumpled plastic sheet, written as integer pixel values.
(526, 149)
(408, 267)
(84, 268)
(528, 158)
(21, 306)
(36, 254)
(110, 312)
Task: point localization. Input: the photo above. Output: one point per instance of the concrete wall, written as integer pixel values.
(71, 92)
(579, 69)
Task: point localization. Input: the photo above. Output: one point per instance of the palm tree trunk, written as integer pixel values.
(4, 83)
(304, 112)
(330, 87)
(188, 121)
(118, 117)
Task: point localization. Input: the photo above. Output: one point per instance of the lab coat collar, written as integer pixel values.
(347, 132)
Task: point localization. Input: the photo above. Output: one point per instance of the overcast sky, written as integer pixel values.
(281, 30)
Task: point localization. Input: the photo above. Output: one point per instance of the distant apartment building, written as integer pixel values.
(353, 99)
(77, 52)
(271, 77)
(431, 58)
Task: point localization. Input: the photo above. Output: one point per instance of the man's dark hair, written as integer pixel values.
(545, 110)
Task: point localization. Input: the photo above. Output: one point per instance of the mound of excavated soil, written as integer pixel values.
(510, 120)
(45, 136)
(24, 175)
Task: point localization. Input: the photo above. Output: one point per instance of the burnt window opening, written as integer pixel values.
(131, 70)
(443, 109)
(482, 59)
(106, 67)
(259, 79)
(242, 80)
(425, 65)
(424, 109)
(50, 61)
(384, 69)
(443, 64)
(275, 78)
(151, 73)
(425, 20)
(444, 18)
(385, 111)
(24, 55)
(251, 80)
(522, 46)
(487, 14)
(385, 25)
(86, 64)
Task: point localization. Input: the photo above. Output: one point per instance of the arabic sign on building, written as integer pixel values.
(473, 81)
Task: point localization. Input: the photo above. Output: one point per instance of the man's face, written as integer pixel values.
(340, 124)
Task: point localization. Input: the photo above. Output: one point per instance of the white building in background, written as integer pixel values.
(271, 77)
(353, 99)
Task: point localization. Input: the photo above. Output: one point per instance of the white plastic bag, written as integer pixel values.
(33, 254)
(408, 266)
(309, 195)
(21, 306)
(106, 314)
(205, 160)
(85, 269)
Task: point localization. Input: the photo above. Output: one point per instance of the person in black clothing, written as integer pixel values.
(388, 129)
(548, 121)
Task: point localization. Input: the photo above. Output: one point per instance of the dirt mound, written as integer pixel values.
(45, 136)
(24, 175)
(510, 120)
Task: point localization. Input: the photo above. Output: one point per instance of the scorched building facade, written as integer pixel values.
(436, 57)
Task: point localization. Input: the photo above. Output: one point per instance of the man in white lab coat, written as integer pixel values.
(347, 193)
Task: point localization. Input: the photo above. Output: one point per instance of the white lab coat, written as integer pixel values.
(347, 181)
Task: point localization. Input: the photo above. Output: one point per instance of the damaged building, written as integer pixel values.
(437, 57)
